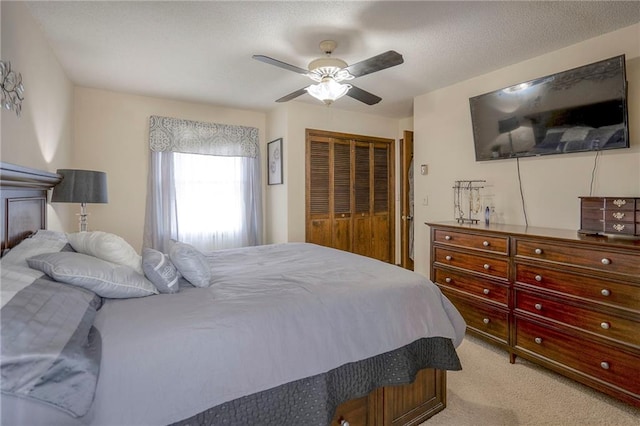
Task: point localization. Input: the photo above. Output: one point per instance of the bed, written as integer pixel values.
(286, 333)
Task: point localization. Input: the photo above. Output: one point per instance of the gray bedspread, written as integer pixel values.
(50, 353)
(277, 319)
(274, 314)
(312, 401)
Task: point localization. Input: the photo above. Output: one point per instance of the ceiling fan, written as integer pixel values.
(328, 72)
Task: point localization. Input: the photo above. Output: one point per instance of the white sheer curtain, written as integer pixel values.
(204, 185)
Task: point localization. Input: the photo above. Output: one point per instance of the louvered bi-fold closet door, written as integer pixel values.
(349, 190)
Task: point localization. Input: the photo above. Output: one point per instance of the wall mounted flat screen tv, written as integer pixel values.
(582, 109)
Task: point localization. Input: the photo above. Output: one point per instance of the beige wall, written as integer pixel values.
(111, 132)
(42, 137)
(276, 211)
(551, 184)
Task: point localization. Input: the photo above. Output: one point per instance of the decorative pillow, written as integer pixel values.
(105, 246)
(160, 271)
(46, 234)
(104, 278)
(191, 263)
(29, 247)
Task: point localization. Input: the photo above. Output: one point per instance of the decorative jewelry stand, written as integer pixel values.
(466, 200)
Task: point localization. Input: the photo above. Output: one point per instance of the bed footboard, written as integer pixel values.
(409, 404)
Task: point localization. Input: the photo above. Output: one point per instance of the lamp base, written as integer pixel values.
(83, 217)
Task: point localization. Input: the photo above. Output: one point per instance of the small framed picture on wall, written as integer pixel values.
(274, 162)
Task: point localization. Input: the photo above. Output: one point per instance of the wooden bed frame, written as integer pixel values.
(23, 193)
(24, 202)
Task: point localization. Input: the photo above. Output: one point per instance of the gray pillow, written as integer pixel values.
(104, 278)
(160, 271)
(191, 263)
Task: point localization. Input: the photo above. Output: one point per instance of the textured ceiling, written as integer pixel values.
(201, 51)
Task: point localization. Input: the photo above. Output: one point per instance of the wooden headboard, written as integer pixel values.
(23, 194)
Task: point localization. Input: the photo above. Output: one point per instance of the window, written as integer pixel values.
(209, 200)
(204, 185)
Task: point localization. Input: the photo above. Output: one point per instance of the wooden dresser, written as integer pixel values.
(567, 301)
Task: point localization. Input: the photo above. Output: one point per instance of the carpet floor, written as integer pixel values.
(490, 391)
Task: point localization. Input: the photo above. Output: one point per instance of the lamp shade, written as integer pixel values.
(80, 186)
(328, 90)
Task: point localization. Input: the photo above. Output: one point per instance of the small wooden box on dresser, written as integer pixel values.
(567, 301)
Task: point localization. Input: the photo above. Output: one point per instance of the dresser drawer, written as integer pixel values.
(605, 363)
(481, 318)
(475, 286)
(474, 241)
(606, 325)
(620, 216)
(620, 204)
(622, 228)
(614, 262)
(498, 268)
(354, 411)
(611, 293)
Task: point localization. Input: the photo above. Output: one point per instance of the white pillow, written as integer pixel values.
(105, 246)
(191, 263)
(104, 278)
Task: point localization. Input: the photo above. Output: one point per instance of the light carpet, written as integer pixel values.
(490, 391)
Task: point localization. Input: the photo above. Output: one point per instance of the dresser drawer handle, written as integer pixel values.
(618, 227)
(605, 292)
(538, 306)
(486, 291)
(604, 365)
(605, 325)
(447, 237)
(619, 203)
(486, 320)
(447, 257)
(618, 215)
(538, 278)
(486, 266)
(343, 422)
(486, 243)
(538, 251)
(448, 280)
(538, 340)
(606, 261)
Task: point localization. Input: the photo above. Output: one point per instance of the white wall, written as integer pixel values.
(551, 184)
(112, 134)
(42, 137)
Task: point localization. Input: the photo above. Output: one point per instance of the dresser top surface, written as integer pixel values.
(540, 232)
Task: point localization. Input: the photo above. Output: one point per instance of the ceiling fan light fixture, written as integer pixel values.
(328, 67)
(328, 90)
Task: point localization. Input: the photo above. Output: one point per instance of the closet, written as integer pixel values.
(350, 193)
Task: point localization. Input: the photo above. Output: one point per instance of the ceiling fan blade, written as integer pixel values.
(292, 95)
(280, 64)
(363, 96)
(382, 61)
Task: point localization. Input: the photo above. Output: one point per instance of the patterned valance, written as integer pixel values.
(195, 137)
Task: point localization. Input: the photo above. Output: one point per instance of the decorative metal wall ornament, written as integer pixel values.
(12, 88)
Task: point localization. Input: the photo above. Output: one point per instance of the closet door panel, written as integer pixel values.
(319, 222)
(380, 238)
(362, 199)
(341, 167)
